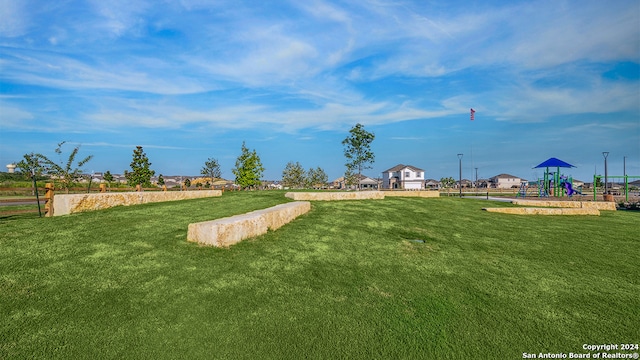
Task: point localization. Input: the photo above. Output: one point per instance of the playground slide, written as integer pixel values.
(570, 190)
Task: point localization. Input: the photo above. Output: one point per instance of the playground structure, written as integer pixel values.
(626, 184)
(554, 183)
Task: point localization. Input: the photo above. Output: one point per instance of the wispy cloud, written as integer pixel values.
(14, 18)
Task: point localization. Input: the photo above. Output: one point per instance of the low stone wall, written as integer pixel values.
(421, 193)
(228, 231)
(332, 196)
(64, 204)
(544, 211)
(599, 205)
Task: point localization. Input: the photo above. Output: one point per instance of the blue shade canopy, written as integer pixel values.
(553, 162)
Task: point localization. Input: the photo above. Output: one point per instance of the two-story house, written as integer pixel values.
(505, 181)
(403, 177)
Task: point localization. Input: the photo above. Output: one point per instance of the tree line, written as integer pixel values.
(248, 168)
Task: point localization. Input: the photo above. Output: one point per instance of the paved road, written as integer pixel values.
(21, 202)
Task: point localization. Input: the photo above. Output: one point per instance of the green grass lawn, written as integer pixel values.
(343, 281)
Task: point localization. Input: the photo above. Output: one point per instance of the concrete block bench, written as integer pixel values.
(230, 230)
(417, 193)
(598, 205)
(64, 204)
(332, 196)
(544, 211)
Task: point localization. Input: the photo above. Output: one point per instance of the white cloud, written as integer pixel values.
(64, 72)
(120, 16)
(528, 103)
(14, 117)
(14, 18)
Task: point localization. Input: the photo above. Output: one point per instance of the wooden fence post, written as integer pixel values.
(138, 187)
(103, 188)
(48, 196)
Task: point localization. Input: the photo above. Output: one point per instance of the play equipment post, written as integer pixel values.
(626, 184)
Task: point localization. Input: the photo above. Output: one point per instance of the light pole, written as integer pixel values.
(605, 154)
(476, 179)
(624, 174)
(460, 175)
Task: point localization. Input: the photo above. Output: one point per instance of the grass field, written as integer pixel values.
(346, 281)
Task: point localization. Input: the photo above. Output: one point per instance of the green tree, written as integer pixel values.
(317, 178)
(108, 178)
(599, 181)
(249, 169)
(447, 182)
(140, 169)
(187, 182)
(358, 150)
(211, 169)
(29, 165)
(350, 178)
(65, 173)
(293, 175)
(160, 180)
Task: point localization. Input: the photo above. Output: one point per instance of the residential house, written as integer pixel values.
(366, 183)
(432, 184)
(466, 183)
(505, 181)
(403, 177)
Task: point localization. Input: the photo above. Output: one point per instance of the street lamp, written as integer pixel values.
(460, 177)
(605, 154)
(476, 179)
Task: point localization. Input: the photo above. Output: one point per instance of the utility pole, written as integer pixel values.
(606, 178)
(460, 175)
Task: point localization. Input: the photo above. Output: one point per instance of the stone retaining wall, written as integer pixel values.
(332, 196)
(228, 231)
(545, 211)
(421, 193)
(64, 204)
(358, 195)
(599, 205)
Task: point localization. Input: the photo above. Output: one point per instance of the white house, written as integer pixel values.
(505, 181)
(403, 177)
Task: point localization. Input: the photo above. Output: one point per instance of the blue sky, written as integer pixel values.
(193, 79)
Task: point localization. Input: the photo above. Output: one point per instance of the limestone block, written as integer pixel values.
(544, 211)
(568, 204)
(230, 230)
(333, 196)
(64, 204)
(611, 206)
(420, 193)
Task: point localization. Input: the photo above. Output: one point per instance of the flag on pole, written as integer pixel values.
(473, 112)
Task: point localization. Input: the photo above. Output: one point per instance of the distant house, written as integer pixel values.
(482, 183)
(432, 184)
(403, 177)
(466, 183)
(366, 183)
(505, 181)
